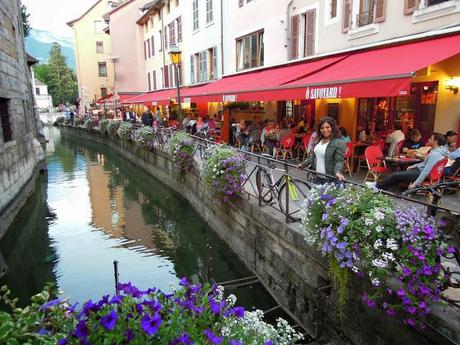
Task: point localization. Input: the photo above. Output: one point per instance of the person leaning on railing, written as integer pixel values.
(328, 155)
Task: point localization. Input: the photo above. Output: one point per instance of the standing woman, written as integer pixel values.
(329, 152)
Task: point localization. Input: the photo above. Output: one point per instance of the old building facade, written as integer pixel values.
(21, 154)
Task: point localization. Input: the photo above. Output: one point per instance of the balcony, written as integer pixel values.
(365, 18)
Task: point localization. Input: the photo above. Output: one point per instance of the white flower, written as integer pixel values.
(368, 221)
(388, 256)
(392, 244)
(380, 263)
(355, 269)
(379, 228)
(375, 282)
(378, 243)
(379, 215)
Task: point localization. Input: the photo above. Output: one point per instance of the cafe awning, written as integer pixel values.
(153, 98)
(386, 71)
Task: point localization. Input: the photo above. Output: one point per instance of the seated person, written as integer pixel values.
(454, 158)
(414, 142)
(368, 135)
(345, 136)
(394, 138)
(451, 138)
(416, 174)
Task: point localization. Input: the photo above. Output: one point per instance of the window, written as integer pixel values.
(151, 22)
(294, 37)
(250, 51)
(37, 91)
(212, 53)
(192, 69)
(310, 26)
(5, 120)
(154, 80)
(434, 2)
(179, 29)
(203, 66)
(209, 12)
(99, 26)
(165, 33)
(161, 42)
(166, 76)
(148, 48)
(196, 23)
(172, 34)
(366, 13)
(103, 92)
(102, 69)
(162, 78)
(168, 6)
(148, 82)
(145, 50)
(333, 8)
(153, 45)
(99, 47)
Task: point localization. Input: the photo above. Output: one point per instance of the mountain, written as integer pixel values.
(39, 42)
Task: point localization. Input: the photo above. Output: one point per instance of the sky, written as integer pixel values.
(52, 15)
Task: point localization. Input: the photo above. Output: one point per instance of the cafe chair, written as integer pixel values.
(305, 140)
(435, 175)
(375, 162)
(254, 141)
(348, 153)
(287, 143)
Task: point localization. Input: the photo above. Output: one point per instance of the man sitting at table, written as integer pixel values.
(417, 172)
(394, 138)
(414, 142)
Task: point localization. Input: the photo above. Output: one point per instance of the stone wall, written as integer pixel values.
(295, 273)
(20, 156)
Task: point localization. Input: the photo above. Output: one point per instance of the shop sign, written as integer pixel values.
(229, 98)
(154, 103)
(187, 100)
(323, 92)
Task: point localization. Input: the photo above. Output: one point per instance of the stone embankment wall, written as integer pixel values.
(20, 152)
(295, 273)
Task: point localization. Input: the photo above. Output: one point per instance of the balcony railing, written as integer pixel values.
(365, 18)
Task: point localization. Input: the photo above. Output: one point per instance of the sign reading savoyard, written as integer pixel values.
(323, 92)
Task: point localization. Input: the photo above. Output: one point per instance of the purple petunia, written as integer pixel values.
(50, 304)
(110, 320)
(235, 342)
(214, 339)
(184, 339)
(81, 331)
(150, 325)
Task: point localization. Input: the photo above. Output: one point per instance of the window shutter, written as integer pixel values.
(179, 29)
(333, 13)
(153, 45)
(145, 50)
(380, 11)
(346, 15)
(241, 3)
(410, 6)
(166, 71)
(148, 48)
(310, 19)
(294, 37)
(192, 69)
(154, 79)
(148, 81)
(165, 32)
(215, 62)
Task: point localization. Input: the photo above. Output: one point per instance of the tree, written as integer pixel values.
(61, 81)
(25, 20)
(42, 72)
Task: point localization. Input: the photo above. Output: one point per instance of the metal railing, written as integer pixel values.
(366, 17)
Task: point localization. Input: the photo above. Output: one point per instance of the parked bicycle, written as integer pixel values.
(274, 190)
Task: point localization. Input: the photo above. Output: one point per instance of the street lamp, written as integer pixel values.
(175, 56)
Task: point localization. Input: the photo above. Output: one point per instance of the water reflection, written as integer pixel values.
(107, 209)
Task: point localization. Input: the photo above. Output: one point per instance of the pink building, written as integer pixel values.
(127, 47)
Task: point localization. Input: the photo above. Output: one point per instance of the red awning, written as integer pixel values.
(153, 97)
(258, 85)
(384, 71)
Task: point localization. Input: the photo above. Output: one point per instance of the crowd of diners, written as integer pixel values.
(325, 147)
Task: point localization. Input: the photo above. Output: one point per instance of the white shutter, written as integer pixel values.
(215, 62)
(192, 69)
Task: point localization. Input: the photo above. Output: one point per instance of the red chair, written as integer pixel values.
(287, 144)
(375, 162)
(435, 174)
(305, 141)
(348, 153)
(380, 143)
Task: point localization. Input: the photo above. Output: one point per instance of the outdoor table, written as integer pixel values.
(401, 162)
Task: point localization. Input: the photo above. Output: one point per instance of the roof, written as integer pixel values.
(31, 60)
(118, 6)
(154, 6)
(70, 23)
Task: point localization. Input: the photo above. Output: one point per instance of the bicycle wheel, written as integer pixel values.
(263, 187)
(298, 190)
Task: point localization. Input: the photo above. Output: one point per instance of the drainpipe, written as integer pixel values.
(222, 35)
(288, 28)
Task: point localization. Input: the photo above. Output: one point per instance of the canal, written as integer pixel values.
(92, 208)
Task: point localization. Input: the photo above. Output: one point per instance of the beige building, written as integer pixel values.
(93, 53)
(323, 27)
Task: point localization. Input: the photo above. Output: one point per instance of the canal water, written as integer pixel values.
(91, 208)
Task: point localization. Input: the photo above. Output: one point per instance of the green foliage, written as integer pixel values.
(181, 150)
(340, 278)
(125, 131)
(144, 136)
(103, 124)
(90, 123)
(112, 127)
(34, 325)
(25, 20)
(60, 79)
